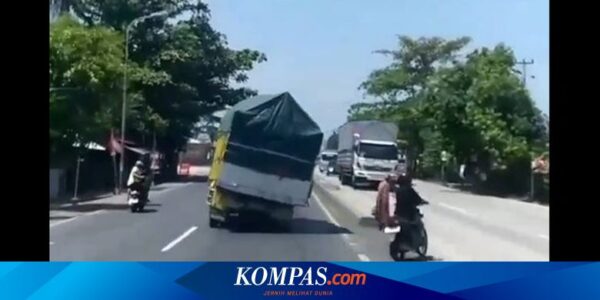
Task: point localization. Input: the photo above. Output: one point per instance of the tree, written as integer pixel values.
(413, 63)
(481, 106)
(185, 69)
(85, 71)
(474, 107)
(482, 110)
(201, 68)
(400, 87)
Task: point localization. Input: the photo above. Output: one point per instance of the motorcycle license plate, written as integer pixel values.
(391, 230)
(133, 201)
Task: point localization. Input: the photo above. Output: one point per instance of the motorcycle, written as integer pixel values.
(330, 168)
(138, 198)
(135, 201)
(409, 236)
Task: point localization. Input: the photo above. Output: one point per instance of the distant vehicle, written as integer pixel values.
(194, 160)
(325, 158)
(264, 161)
(367, 152)
(401, 166)
(331, 169)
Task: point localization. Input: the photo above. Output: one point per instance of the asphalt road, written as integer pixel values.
(462, 226)
(175, 228)
(337, 226)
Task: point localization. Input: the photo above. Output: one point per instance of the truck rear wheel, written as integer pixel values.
(212, 223)
(344, 179)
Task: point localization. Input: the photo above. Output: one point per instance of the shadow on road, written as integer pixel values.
(83, 199)
(148, 211)
(153, 205)
(94, 207)
(418, 258)
(368, 222)
(195, 179)
(297, 226)
(59, 217)
(158, 188)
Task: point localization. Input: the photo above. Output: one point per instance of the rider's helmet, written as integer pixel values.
(139, 164)
(404, 179)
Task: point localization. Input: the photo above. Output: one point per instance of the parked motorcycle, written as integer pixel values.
(409, 236)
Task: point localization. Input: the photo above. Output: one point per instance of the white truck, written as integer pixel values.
(367, 152)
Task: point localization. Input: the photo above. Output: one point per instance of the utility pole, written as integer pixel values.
(524, 64)
(124, 103)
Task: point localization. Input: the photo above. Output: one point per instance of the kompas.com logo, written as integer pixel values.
(295, 276)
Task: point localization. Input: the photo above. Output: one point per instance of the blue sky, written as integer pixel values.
(321, 50)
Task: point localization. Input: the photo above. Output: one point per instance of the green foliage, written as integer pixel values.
(403, 84)
(177, 71)
(85, 73)
(480, 106)
(472, 107)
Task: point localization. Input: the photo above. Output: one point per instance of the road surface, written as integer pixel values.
(175, 228)
(463, 226)
(337, 226)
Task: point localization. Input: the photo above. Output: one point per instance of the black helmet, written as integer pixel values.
(404, 178)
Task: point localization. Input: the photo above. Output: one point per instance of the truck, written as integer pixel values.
(194, 160)
(265, 153)
(367, 152)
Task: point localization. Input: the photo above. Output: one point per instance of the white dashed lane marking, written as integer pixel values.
(363, 257)
(179, 239)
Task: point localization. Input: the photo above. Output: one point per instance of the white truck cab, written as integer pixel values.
(373, 161)
(367, 151)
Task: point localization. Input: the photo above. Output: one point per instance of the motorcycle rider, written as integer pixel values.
(406, 212)
(137, 177)
(381, 211)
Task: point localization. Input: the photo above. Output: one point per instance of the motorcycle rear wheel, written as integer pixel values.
(422, 248)
(397, 251)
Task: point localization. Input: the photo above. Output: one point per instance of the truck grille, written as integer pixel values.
(376, 168)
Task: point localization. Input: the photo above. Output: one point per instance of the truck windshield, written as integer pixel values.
(374, 151)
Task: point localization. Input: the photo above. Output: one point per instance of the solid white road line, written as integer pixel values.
(329, 216)
(345, 236)
(179, 239)
(363, 257)
(544, 236)
(454, 208)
